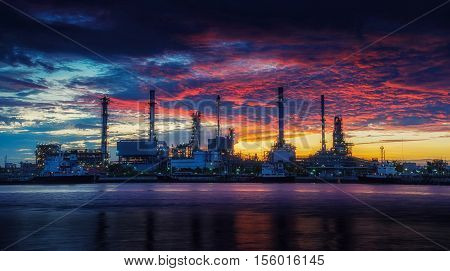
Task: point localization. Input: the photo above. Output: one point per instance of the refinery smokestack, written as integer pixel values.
(322, 100)
(280, 116)
(151, 133)
(104, 144)
(196, 131)
(218, 116)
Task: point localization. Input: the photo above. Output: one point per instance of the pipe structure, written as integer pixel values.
(152, 103)
(339, 144)
(322, 101)
(104, 144)
(218, 117)
(196, 131)
(280, 117)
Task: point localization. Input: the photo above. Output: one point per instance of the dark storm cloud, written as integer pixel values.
(149, 27)
(8, 102)
(117, 81)
(8, 56)
(26, 93)
(131, 29)
(407, 121)
(439, 107)
(164, 70)
(12, 56)
(11, 84)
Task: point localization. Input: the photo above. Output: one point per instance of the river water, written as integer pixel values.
(224, 217)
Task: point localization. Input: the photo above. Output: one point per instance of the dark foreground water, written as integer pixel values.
(225, 217)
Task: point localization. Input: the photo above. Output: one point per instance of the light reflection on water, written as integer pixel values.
(224, 217)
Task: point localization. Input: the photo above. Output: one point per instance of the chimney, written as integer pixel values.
(104, 143)
(218, 116)
(280, 117)
(151, 133)
(322, 100)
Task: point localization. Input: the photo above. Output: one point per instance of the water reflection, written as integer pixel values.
(225, 217)
(251, 230)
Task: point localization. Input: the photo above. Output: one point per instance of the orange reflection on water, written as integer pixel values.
(253, 231)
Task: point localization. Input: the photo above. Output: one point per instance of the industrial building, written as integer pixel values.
(186, 150)
(411, 169)
(57, 161)
(282, 154)
(62, 165)
(338, 161)
(87, 158)
(149, 154)
(144, 154)
(223, 144)
(44, 151)
(189, 157)
(199, 162)
(52, 160)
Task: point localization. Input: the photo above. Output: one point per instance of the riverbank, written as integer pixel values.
(416, 180)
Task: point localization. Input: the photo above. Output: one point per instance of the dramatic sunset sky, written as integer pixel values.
(391, 91)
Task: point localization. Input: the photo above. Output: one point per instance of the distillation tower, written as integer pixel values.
(104, 144)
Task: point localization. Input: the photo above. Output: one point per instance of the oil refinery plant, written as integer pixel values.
(282, 154)
(150, 156)
(144, 154)
(338, 160)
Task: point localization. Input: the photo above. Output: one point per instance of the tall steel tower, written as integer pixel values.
(218, 116)
(196, 132)
(152, 103)
(104, 144)
(383, 154)
(339, 144)
(280, 117)
(322, 101)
